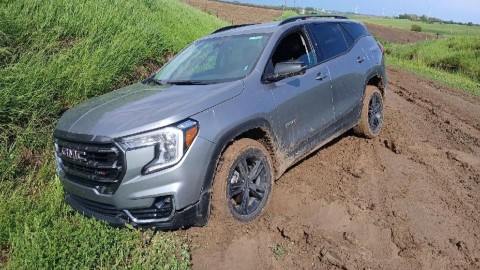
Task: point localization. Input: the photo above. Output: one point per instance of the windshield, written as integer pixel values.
(214, 60)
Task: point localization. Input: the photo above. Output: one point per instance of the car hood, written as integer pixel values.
(139, 107)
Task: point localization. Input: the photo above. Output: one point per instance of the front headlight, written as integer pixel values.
(170, 144)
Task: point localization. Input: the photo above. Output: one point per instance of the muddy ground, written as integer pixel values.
(408, 199)
(235, 14)
(397, 35)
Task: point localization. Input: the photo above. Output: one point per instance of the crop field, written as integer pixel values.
(447, 30)
(54, 55)
(244, 12)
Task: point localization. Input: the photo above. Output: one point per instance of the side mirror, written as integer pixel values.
(287, 69)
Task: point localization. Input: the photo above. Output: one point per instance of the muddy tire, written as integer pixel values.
(243, 182)
(371, 118)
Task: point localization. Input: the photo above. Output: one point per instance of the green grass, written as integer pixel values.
(453, 61)
(448, 30)
(287, 14)
(53, 55)
(43, 233)
(278, 250)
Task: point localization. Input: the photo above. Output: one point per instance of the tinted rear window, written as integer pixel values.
(332, 39)
(356, 30)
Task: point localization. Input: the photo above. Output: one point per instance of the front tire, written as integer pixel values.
(371, 118)
(243, 181)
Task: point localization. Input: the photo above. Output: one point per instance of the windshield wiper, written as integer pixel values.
(159, 82)
(152, 79)
(186, 82)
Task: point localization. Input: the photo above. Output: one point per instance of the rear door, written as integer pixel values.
(347, 64)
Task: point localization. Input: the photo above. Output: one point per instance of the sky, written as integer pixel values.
(455, 10)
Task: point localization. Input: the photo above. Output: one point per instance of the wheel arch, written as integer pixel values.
(378, 80)
(258, 129)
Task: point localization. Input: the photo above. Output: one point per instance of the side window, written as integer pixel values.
(293, 47)
(356, 30)
(348, 38)
(332, 39)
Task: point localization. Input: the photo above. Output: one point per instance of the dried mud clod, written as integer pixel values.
(350, 237)
(332, 258)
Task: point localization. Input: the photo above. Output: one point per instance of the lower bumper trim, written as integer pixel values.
(193, 215)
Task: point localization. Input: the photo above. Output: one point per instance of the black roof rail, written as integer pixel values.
(230, 27)
(304, 17)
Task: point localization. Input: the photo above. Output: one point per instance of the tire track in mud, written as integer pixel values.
(406, 199)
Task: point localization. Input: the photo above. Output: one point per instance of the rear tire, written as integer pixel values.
(243, 182)
(371, 118)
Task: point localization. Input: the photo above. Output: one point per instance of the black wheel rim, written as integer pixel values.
(375, 113)
(248, 184)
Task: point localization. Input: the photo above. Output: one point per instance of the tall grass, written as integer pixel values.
(53, 55)
(453, 61)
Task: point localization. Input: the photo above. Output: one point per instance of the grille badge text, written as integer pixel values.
(74, 154)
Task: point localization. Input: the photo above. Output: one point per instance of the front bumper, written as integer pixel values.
(137, 193)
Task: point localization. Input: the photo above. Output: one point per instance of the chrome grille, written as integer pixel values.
(93, 165)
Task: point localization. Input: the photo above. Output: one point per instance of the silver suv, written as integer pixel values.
(215, 126)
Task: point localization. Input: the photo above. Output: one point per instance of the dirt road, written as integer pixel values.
(235, 14)
(397, 35)
(408, 199)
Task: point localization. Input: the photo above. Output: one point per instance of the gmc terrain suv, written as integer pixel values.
(214, 127)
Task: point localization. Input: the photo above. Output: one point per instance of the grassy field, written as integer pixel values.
(453, 61)
(53, 55)
(287, 14)
(449, 30)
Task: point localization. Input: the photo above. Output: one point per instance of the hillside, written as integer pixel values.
(53, 55)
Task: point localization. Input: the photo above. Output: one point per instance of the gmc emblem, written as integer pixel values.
(74, 154)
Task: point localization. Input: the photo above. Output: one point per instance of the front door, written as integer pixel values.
(304, 102)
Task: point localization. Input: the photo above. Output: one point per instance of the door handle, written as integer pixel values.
(321, 77)
(360, 59)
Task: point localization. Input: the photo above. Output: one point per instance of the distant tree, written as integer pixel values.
(416, 28)
(470, 24)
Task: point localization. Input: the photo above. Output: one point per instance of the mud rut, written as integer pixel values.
(408, 199)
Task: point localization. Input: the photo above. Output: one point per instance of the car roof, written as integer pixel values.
(271, 27)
